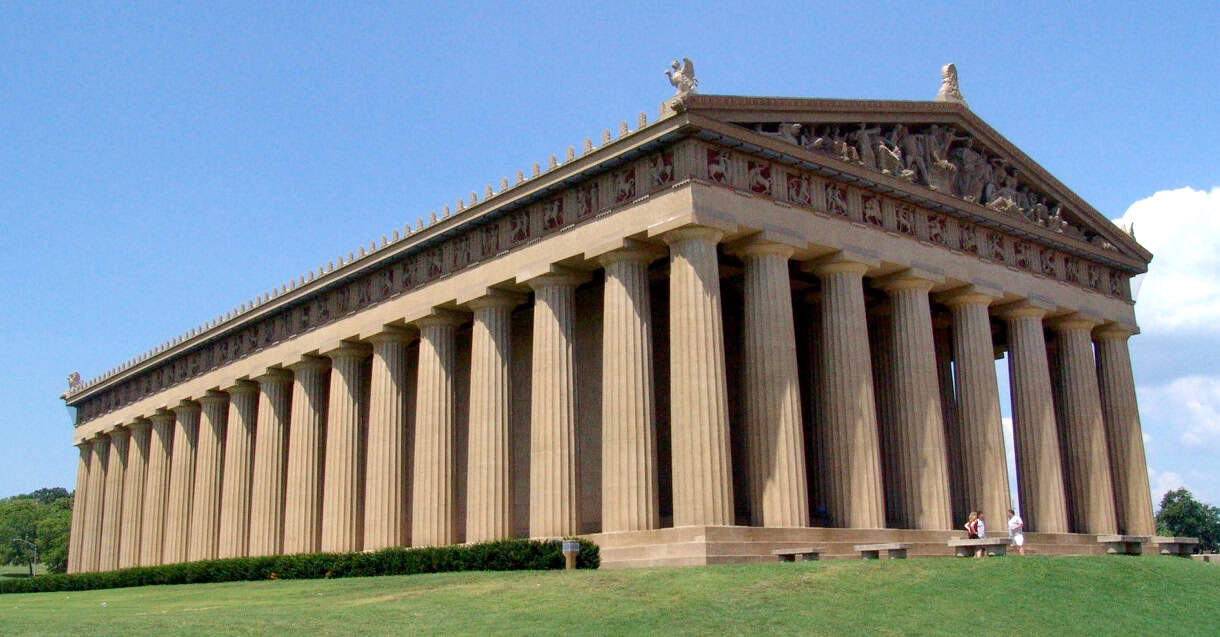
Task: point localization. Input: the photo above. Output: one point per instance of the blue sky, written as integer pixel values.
(162, 163)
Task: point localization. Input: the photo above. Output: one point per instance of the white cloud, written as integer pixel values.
(1181, 288)
(1188, 407)
(1162, 482)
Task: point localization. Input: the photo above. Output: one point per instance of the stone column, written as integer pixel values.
(306, 455)
(112, 511)
(209, 462)
(79, 498)
(181, 484)
(880, 344)
(238, 470)
(1086, 463)
(699, 417)
(848, 404)
(488, 481)
(343, 488)
(943, 339)
(775, 440)
(91, 540)
(630, 499)
(984, 463)
(923, 471)
(1039, 469)
(432, 496)
(385, 512)
(133, 493)
(156, 489)
(553, 454)
(270, 445)
(1128, 467)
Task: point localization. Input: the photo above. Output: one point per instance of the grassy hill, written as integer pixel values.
(1033, 595)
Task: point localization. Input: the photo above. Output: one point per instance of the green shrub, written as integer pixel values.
(504, 555)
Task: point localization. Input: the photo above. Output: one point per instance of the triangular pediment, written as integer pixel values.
(936, 146)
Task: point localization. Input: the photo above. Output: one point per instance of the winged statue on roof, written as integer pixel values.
(682, 77)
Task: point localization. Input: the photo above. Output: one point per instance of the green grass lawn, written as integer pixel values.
(1033, 595)
(9, 570)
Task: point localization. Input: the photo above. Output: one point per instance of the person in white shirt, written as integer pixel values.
(1016, 530)
(981, 529)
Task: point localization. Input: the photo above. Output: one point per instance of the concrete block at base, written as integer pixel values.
(1206, 558)
(1123, 544)
(893, 550)
(805, 553)
(992, 547)
(1180, 546)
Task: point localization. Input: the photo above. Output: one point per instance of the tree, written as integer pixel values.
(1182, 515)
(19, 531)
(34, 527)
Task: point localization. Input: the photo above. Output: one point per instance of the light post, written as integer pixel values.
(32, 546)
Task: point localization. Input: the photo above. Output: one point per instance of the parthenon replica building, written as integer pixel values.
(753, 323)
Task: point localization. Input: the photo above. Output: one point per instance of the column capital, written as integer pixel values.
(970, 295)
(306, 363)
(440, 316)
(274, 375)
(556, 277)
(348, 349)
(687, 233)
(910, 279)
(1025, 308)
(767, 242)
(1074, 321)
(390, 334)
(100, 440)
(496, 298)
(162, 416)
(120, 431)
(628, 250)
(1114, 331)
(242, 387)
(139, 424)
(853, 260)
(185, 407)
(213, 398)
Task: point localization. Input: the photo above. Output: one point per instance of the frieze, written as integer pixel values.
(484, 240)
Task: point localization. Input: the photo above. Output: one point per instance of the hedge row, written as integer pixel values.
(505, 555)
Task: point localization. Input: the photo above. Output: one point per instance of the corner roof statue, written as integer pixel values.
(949, 91)
(74, 381)
(682, 77)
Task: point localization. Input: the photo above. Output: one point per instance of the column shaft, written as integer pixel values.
(943, 338)
(848, 404)
(699, 420)
(91, 540)
(238, 471)
(133, 494)
(1039, 469)
(488, 481)
(385, 512)
(553, 453)
(79, 499)
(1086, 463)
(630, 499)
(112, 511)
(432, 499)
(984, 463)
(775, 440)
(1128, 467)
(156, 489)
(306, 457)
(270, 447)
(343, 487)
(923, 473)
(209, 463)
(181, 484)
(880, 346)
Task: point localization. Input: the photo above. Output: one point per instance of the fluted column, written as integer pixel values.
(943, 339)
(1039, 468)
(848, 404)
(923, 472)
(91, 539)
(629, 434)
(156, 488)
(984, 464)
(880, 344)
(209, 462)
(343, 488)
(133, 493)
(775, 440)
(270, 446)
(553, 453)
(181, 484)
(112, 512)
(488, 478)
(699, 420)
(306, 455)
(1086, 461)
(432, 503)
(385, 512)
(238, 470)
(79, 504)
(1128, 467)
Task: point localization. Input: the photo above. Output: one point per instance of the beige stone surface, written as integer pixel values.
(176, 544)
(156, 488)
(432, 502)
(343, 488)
(307, 442)
(112, 511)
(270, 450)
(133, 493)
(1128, 467)
(79, 504)
(91, 534)
(238, 470)
(386, 522)
(209, 466)
(702, 469)
(489, 482)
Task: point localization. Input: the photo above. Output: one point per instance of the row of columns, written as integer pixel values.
(315, 457)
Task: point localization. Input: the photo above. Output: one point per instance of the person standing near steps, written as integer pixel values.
(981, 529)
(1016, 530)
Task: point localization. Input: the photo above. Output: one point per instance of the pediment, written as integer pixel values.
(937, 146)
